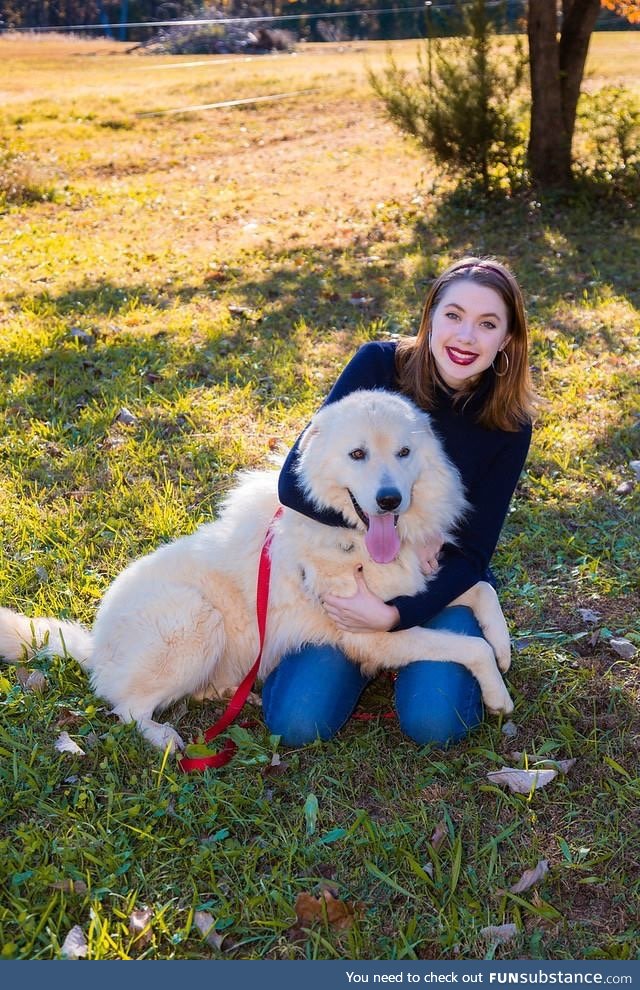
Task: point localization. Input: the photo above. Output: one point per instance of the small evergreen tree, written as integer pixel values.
(459, 104)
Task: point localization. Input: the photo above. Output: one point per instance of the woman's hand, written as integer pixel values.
(364, 612)
(428, 553)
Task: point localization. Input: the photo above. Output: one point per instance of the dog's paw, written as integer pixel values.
(503, 656)
(498, 700)
(162, 735)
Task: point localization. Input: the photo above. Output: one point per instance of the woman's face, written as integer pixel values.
(469, 326)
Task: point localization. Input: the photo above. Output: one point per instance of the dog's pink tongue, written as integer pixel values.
(382, 540)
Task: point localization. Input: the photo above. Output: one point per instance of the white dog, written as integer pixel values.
(182, 620)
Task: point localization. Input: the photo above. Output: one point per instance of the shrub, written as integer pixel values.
(460, 103)
(609, 133)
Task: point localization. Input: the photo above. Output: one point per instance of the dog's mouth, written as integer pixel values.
(381, 538)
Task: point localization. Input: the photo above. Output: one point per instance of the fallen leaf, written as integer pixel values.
(75, 944)
(623, 647)
(361, 301)
(65, 744)
(522, 781)
(125, 417)
(67, 717)
(635, 467)
(499, 933)
(245, 311)
(625, 488)
(589, 615)
(562, 765)
(531, 877)
(68, 886)
(510, 729)
(36, 683)
(439, 835)
(140, 927)
(340, 914)
(205, 925)
(76, 333)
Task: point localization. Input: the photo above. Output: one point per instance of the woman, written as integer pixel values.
(468, 368)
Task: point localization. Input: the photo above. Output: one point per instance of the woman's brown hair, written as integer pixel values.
(509, 402)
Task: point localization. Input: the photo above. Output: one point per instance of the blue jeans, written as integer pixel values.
(314, 691)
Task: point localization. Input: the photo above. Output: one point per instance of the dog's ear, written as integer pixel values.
(306, 438)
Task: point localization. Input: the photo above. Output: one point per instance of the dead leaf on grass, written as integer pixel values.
(76, 333)
(125, 417)
(140, 925)
(69, 886)
(564, 766)
(67, 717)
(531, 877)
(246, 312)
(510, 729)
(589, 615)
(35, 683)
(521, 781)
(439, 835)
(75, 944)
(65, 744)
(625, 488)
(499, 933)
(635, 467)
(361, 301)
(205, 925)
(623, 647)
(339, 914)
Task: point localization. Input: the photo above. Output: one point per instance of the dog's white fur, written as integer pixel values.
(182, 620)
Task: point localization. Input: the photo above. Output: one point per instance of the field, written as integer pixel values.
(210, 272)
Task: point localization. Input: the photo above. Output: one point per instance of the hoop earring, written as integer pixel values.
(501, 374)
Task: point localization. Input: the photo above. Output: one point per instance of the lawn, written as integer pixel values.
(205, 271)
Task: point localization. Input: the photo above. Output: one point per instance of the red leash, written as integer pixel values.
(188, 763)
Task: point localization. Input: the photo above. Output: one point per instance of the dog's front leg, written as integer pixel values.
(483, 599)
(380, 651)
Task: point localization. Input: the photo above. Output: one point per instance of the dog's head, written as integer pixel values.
(374, 458)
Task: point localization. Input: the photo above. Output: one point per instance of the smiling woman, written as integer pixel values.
(473, 318)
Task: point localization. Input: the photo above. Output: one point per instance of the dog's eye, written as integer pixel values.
(404, 452)
(358, 454)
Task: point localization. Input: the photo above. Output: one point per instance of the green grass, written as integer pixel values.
(145, 231)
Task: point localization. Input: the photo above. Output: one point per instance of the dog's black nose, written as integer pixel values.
(388, 499)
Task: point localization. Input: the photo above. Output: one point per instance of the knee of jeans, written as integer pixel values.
(310, 695)
(298, 728)
(458, 619)
(437, 702)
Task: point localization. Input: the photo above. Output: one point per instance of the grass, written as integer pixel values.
(122, 252)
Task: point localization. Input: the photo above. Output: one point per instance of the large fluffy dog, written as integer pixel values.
(182, 620)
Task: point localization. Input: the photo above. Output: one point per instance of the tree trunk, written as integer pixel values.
(557, 65)
(549, 143)
(578, 24)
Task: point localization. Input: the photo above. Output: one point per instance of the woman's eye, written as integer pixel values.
(404, 452)
(358, 454)
(489, 325)
(451, 316)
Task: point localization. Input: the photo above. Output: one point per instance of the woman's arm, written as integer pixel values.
(465, 564)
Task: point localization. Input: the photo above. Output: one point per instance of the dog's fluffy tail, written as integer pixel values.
(21, 637)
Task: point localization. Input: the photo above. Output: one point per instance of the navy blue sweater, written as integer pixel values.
(489, 461)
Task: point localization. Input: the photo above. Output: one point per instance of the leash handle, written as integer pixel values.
(233, 709)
